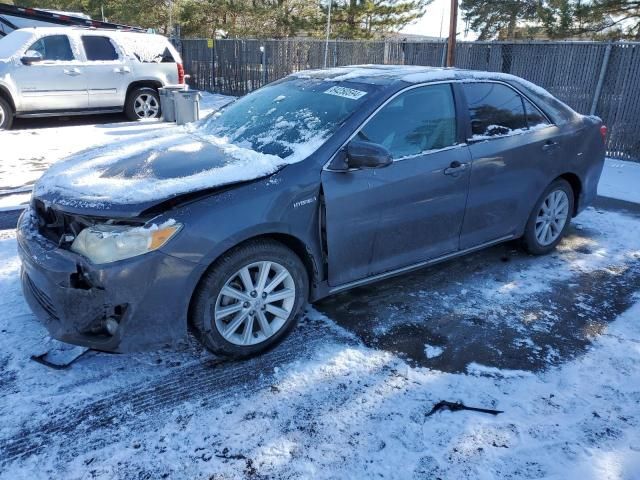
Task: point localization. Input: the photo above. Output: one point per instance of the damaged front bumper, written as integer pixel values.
(136, 304)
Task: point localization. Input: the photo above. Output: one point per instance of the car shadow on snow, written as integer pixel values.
(500, 307)
(70, 121)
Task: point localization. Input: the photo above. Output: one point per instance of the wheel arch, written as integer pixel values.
(155, 84)
(295, 244)
(576, 186)
(6, 95)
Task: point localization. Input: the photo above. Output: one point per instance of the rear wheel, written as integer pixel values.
(6, 115)
(249, 299)
(143, 103)
(550, 218)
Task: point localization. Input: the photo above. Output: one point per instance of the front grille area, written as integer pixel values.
(56, 226)
(42, 298)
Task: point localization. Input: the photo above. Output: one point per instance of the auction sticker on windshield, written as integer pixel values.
(345, 92)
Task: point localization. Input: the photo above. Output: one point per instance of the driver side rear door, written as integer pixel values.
(384, 219)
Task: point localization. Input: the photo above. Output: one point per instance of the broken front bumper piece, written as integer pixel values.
(130, 305)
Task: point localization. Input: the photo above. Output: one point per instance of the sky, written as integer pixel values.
(435, 22)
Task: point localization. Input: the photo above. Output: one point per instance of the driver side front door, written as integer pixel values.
(384, 219)
(55, 83)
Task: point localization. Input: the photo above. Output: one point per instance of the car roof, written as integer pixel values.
(386, 74)
(67, 30)
(398, 76)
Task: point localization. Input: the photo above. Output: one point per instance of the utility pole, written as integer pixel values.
(326, 44)
(453, 25)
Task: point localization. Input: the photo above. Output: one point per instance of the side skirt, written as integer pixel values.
(67, 113)
(323, 292)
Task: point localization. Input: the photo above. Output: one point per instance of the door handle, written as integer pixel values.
(549, 146)
(455, 167)
(122, 70)
(74, 72)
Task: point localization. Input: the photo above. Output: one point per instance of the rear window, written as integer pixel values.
(534, 117)
(559, 112)
(99, 48)
(147, 48)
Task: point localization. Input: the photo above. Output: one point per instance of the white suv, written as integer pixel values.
(71, 71)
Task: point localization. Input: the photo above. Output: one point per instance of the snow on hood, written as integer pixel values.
(158, 166)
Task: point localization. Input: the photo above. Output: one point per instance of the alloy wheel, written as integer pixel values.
(146, 106)
(2, 115)
(552, 217)
(254, 303)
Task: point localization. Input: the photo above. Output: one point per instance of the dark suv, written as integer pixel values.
(320, 182)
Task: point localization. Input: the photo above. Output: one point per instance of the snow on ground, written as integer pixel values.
(620, 180)
(322, 405)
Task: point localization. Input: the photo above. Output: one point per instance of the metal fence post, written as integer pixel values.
(445, 46)
(213, 66)
(263, 63)
(603, 72)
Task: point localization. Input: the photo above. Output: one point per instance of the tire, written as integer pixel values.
(214, 326)
(558, 200)
(135, 105)
(6, 115)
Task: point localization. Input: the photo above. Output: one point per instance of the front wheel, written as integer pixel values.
(143, 103)
(249, 299)
(6, 115)
(550, 218)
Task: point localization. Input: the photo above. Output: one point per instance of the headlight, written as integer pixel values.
(110, 243)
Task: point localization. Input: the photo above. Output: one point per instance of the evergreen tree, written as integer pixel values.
(252, 18)
(143, 13)
(373, 18)
(615, 18)
(233, 18)
(492, 17)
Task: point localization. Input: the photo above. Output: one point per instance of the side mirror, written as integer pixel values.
(31, 56)
(362, 154)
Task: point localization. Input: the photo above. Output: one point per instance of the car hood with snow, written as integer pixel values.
(128, 179)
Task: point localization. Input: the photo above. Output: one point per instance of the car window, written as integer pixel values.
(495, 109)
(99, 48)
(53, 47)
(534, 117)
(416, 121)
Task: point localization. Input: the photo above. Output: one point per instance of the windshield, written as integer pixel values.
(281, 118)
(12, 43)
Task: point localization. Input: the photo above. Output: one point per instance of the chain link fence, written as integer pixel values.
(592, 77)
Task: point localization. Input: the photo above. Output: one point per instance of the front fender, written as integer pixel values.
(215, 224)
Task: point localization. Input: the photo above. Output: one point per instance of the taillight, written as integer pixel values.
(603, 132)
(180, 73)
